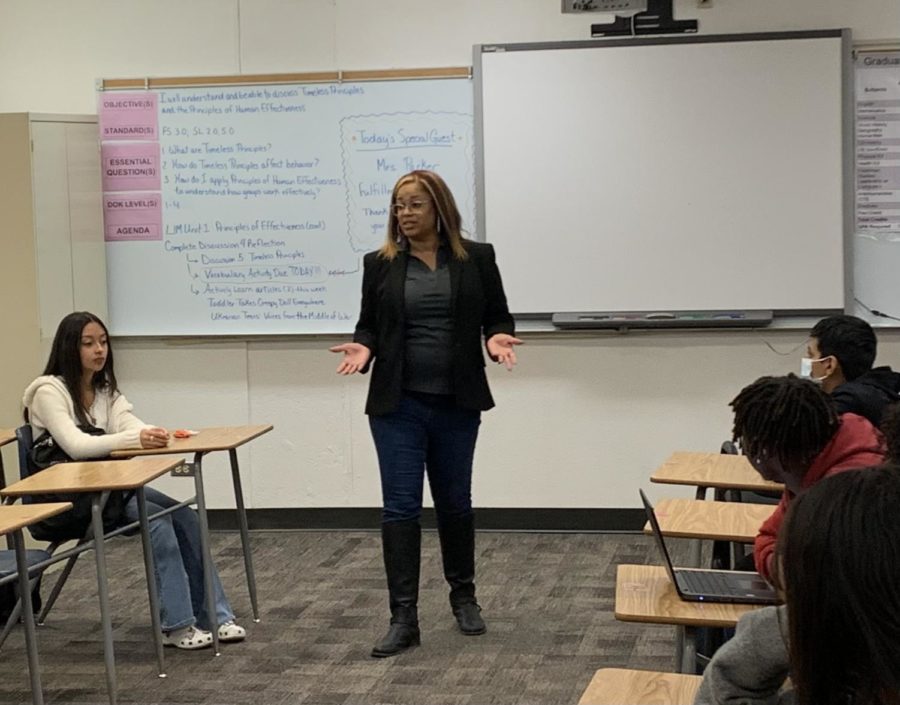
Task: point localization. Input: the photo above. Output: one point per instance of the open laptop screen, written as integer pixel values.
(657, 534)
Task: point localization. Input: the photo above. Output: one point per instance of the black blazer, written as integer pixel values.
(478, 306)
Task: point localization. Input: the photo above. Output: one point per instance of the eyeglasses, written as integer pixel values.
(413, 206)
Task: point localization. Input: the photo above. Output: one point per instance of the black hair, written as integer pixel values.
(848, 338)
(840, 554)
(890, 428)
(787, 418)
(65, 360)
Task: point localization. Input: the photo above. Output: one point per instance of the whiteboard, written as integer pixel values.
(700, 173)
(247, 209)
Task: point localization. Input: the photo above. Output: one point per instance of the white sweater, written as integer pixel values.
(50, 408)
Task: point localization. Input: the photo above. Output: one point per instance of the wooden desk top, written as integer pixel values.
(719, 470)
(94, 476)
(7, 435)
(207, 440)
(17, 516)
(644, 593)
(721, 521)
(623, 686)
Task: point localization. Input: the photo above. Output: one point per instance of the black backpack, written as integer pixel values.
(71, 525)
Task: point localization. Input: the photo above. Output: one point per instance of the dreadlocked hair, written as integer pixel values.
(890, 427)
(787, 418)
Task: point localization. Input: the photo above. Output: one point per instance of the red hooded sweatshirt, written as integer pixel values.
(856, 444)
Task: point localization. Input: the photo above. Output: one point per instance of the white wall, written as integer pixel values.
(580, 423)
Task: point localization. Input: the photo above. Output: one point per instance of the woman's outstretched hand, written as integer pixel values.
(356, 356)
(500, 347)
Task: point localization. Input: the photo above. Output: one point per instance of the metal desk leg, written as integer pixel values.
(689, 654)
(152, 589)
(679, 648)
(34, 671)
(207, 554)
(696, 549)
(97, 502)
(245, 532)
(697, 546)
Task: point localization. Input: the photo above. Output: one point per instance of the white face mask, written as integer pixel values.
(806, 364)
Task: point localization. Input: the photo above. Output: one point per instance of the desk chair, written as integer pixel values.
(25, 441)
(34, 557)
(8, 577)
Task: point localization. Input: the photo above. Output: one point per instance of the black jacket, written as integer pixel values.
(868, 394)
(478, 306)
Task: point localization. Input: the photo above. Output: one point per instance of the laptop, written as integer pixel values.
(697, 585)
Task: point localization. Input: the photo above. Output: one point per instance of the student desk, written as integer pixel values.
(12, 521)
(644, 593)
(719, 471)
(206, 441)
(624, 686)
(99, 478)
(720, 521)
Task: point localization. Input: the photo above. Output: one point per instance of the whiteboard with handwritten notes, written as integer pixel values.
(246, 209)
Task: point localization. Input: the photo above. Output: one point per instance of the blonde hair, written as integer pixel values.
(449, 220)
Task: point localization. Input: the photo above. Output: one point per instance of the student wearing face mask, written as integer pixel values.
(840, 354)
(791, 432)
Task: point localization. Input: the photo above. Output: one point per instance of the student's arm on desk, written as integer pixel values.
(50, 409)
(122, 419)
(752, 667)
(764, 545)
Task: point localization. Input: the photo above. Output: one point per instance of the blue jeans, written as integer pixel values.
(175, 541)
(430, 435)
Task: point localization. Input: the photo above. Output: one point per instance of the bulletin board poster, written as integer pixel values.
(876, 246)
(130, 159)
(878, 145)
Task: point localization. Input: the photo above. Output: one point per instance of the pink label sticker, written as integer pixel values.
(130, 167)
(132, 216)
(128, 116)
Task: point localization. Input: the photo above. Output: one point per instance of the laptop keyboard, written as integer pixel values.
(710, 583)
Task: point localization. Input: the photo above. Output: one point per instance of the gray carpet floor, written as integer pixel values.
(547, 599)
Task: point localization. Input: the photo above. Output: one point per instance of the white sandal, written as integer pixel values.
(189, 638)
(229, 631)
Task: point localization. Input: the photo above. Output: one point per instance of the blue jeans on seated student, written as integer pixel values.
(175, 541)
(427, 431)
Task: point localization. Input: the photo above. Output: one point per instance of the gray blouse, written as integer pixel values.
(429, 327)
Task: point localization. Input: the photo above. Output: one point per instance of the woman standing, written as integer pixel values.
(77, 402)
(428, 296)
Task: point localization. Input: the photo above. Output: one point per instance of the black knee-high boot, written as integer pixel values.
(401, 543)
(457, 535)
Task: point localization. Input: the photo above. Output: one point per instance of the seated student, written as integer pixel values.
(841, 351)
(838, 635)
(791, 433)
(78, 393)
